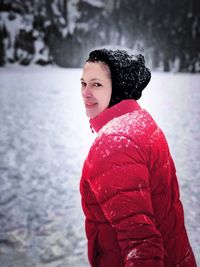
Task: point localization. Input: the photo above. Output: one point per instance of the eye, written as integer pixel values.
(83, 84)
(97, 85)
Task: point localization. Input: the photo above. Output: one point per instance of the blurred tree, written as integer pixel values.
(3, 35)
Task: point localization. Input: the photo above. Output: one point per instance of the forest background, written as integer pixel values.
(62, 32)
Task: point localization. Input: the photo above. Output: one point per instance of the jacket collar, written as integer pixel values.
(115, 111)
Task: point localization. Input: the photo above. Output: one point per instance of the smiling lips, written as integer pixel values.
(90, 105)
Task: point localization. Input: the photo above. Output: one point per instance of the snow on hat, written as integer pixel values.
(128, 73)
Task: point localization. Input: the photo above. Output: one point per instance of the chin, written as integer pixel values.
(91, 115)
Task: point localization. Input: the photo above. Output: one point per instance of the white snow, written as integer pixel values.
(97, 3)
(133, 254)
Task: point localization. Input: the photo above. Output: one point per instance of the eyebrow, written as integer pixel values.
(94, 79)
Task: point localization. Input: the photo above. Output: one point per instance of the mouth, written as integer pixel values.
(90, 105)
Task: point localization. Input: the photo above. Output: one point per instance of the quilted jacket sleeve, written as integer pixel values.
(120, 181)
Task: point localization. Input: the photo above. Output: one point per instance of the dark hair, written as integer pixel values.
(128, 73)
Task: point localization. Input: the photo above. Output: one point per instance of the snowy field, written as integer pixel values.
(44, 138)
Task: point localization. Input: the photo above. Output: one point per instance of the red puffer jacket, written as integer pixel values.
(130, 194)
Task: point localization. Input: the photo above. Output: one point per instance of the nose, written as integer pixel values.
(86, 92)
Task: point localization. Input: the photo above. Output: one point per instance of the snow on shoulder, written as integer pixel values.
(133, 123)
(127, 132)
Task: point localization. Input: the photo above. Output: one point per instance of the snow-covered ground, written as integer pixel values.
(44, 139)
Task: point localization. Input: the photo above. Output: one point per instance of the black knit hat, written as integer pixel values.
(128, 73)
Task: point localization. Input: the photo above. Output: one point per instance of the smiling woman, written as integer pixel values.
(129, 188)
(96, 88)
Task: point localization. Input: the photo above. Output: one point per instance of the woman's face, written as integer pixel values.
(96, 87)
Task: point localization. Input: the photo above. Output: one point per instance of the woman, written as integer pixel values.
(129, 188)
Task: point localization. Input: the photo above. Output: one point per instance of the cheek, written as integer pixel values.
(108, 96)
(106, 101)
